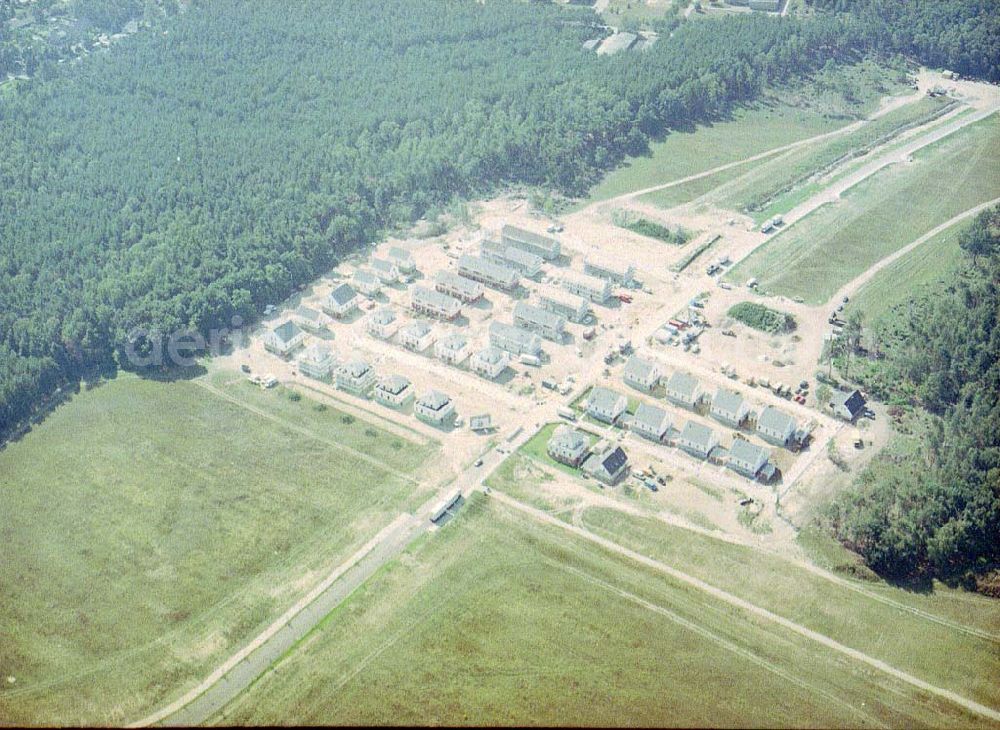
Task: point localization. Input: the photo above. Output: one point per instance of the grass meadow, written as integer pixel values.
(925, 269)
(838, 242)
(150, 529)
(500, 620)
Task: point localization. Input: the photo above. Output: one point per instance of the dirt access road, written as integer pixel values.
(750, 608)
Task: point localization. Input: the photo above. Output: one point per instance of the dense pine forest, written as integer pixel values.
(932, 507)
(206, 168)
(961, 35)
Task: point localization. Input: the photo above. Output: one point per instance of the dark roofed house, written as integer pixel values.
(341, 301)
(608, 464)
(284, 339)
(847, 404)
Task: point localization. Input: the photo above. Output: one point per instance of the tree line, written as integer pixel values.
(204, 170)
(932, 509)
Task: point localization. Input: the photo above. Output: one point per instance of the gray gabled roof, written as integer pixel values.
(697, 435)
(682, 383)
(287, 331)
(317, 352)
(744, 451)
(365, 277)
(511, 332)
(771, 419)
(603, 399)
(539, 316)
(650, 416)
(400, 254)
(727, 401)
(638, 369)
(342, 294)
(416, 329)
(382, 265)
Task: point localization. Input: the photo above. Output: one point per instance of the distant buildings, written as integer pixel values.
(568, 446)
(465, 290)
(416, 336)
(452, 349)
(434, 303)
(589, 287)
(487, 272)
(514, 339)
(355, 377)
(641, 374)
(382, 323)
(776, 427)
(284, 339)
(683, 390)
(525, 263)
(393, 391)
(617, 43)
(650, 422)
(730, 408)
(546, 247)
(535, 319)
(434, 407)
(341, 302)
(606, 405)
(317, 361)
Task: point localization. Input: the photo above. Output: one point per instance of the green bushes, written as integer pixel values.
(651, 229)
(762, 318)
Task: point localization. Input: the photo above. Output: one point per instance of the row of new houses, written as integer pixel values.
(653, 423)
(607, 463)
(726, 406)
(358, 378)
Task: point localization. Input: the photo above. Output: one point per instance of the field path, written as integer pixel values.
(237, 673)
(632, 195)
(833, 193)
(753, 609)
(851, 287)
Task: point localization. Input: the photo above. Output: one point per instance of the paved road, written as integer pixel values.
(239, 671)
(747, 606)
